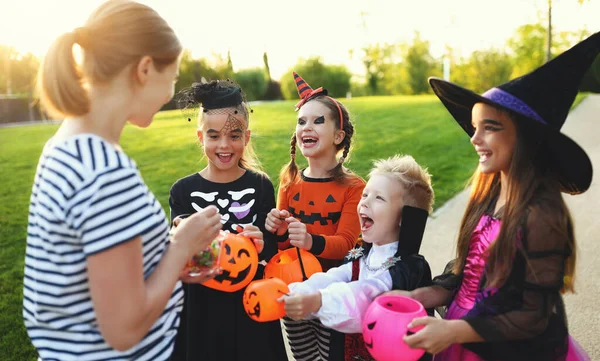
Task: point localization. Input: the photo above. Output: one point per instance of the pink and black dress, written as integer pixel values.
(524, 319)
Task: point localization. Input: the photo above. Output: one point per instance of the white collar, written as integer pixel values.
(381, 257)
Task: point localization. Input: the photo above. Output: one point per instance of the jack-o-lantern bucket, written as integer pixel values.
(292, 265)
(239, 262)
(260, 299)
(385, 324)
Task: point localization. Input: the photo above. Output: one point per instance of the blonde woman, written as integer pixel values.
(101, 277)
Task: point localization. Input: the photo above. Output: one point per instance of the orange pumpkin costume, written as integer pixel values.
(328, 208)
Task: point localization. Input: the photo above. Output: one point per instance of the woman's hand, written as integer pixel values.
(186, 278)
(197, 231)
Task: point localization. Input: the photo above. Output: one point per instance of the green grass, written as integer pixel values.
(168, 150)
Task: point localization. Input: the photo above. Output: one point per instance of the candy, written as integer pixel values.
(207, 259)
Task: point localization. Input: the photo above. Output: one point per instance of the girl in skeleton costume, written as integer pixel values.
(393, 212)
(316, 207)
(516, 246)
(214, 324)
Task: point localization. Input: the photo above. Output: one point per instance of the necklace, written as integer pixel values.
(385, 265)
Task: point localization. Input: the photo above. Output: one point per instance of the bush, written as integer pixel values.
(335, 78)
(253, 81)
(359, 89)
(273, 91)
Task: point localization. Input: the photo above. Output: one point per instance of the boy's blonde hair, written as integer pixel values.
(415, 179)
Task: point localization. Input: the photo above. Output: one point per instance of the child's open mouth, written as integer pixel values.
(365, 223)
(484, 156)
(309, 142)
(225, 157)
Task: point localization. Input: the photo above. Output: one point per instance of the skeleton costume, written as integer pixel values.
(214, 325)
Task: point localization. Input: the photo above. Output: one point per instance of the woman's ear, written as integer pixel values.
(143, 69)
(247, 134)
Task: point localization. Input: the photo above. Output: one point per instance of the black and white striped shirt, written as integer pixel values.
(88, 197)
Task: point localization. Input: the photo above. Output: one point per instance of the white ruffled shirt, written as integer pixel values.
(344, 302)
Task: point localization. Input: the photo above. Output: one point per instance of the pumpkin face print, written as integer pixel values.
(286, 265)
(385, 324)
(260, 299)
(239, 262)
(326, 211)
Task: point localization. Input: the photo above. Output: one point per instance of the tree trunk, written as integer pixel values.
(549, 50)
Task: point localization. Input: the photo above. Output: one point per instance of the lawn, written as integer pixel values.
(168, 150)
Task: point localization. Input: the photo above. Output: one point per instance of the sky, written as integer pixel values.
(288, 30)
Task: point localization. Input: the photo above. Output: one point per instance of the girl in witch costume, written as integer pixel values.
(214, 324)
(516, 246)
(316, 206)
(393, 211)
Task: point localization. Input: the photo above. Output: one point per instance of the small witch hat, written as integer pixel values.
(217, 94)
(542, 100)
(305, 91)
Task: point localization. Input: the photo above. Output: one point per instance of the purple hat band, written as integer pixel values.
(511, 102)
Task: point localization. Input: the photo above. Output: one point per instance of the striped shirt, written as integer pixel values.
(88, 197)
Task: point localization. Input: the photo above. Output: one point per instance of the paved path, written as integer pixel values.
(33, 122)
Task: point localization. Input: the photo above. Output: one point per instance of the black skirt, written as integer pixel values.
(215, 327)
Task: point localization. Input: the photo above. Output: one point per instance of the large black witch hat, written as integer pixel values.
(542, 100)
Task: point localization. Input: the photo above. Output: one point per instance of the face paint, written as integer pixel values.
(232, 124)
(223, 136)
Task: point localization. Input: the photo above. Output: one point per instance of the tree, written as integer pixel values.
(267, 68)
(193, 70)
(253, 82)
(18, 71)
(549, 32)
(420, 65)
(528, 46)
(483, 70)
(229, 69)
(273, 91)
(378, 60)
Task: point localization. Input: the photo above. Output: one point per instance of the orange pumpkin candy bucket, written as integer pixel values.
(238, 260)
(260, 299)
(292, 265)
